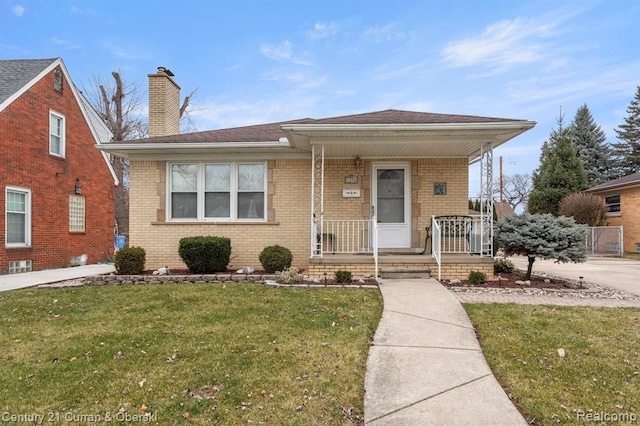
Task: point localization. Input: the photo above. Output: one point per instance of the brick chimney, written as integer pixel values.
(164, 104)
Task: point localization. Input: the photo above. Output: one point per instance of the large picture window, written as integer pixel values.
(217, 191)
(18, 217)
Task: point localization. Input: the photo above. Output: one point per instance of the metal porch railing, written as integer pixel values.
(436, 246)
(347, 236)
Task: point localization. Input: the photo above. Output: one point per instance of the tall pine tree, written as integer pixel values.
(560, 173)
(549, 144)
(591, 147)
(627, 151)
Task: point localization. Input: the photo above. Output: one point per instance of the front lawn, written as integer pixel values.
(187, 353)
(597, 379)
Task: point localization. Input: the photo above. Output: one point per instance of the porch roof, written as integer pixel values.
(390, 133)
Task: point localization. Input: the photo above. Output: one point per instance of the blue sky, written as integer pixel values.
(262, 61)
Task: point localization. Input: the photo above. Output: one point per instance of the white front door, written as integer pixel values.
(391, 199)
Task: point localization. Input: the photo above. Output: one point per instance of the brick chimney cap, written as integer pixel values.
(165, 71)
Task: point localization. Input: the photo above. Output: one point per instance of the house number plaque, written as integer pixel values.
(351, 192)
(351, 179)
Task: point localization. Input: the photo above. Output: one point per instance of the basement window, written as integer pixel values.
(17, 266)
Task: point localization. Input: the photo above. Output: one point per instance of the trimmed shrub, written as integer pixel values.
(477, 277)
(503, 265)
(588, 209)
(275, 258)
(205, 254)
(130, 261)
(290, 275)
(343, 276)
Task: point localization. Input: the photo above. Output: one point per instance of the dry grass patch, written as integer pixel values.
(564, 364)
(228, 354)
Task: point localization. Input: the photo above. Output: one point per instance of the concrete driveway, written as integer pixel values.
(621, 274)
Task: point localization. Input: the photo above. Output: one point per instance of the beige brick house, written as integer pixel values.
(357, 192)
(622, 201)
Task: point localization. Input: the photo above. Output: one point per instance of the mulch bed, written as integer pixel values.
(508, 280)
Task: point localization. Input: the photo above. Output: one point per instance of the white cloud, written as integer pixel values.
(302, 79)
(502, 45)
(587, 81)
(65, 43)
(18, 10)
(322, 30)
(126, 52)
(216, 114)
(281, 53)
(391, 71)
(81, 11)
(384, 33)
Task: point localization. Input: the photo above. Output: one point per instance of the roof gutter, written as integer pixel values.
(149, 146)
(519, 124)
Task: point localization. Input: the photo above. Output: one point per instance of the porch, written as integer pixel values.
(395, 196)
(453, 246)
(451, 265)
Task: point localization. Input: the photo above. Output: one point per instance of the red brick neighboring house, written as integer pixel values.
(622, 200)
(56, 188)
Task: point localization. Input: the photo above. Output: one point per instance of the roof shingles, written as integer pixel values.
(273, 131)
(16, 73)
(629, 180)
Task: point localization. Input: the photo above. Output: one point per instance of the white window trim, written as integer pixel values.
(27, 220)
(200, 193)
(63, 135)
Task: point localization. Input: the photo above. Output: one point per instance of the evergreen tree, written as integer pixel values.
(627, 151)
(560, 173)
(542, 236)
(591, 147)
(561, 131)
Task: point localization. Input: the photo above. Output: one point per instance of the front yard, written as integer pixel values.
(566, 365)
(202, 353)
(241, 353)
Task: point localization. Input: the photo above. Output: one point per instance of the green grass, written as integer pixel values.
(599, 374)
(228, 354)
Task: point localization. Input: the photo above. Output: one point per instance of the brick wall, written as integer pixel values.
(289, 207)
(449, 270)
(629, 216)
(164, 105)
(26, 163)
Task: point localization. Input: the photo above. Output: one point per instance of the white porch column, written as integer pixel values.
(317, 199)
(486, 199)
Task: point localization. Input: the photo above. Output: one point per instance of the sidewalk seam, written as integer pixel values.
(429, 397)
(431, 319)
(428, 347)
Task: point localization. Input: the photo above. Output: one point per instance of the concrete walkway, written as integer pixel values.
(426, 366)
(614, 272)
(30, 279)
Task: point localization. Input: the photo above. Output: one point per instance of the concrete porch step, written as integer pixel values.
(404, 273)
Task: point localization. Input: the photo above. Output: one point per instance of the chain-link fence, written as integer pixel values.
(605, 241)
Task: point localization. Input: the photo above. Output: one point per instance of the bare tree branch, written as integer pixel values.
(515, 189)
